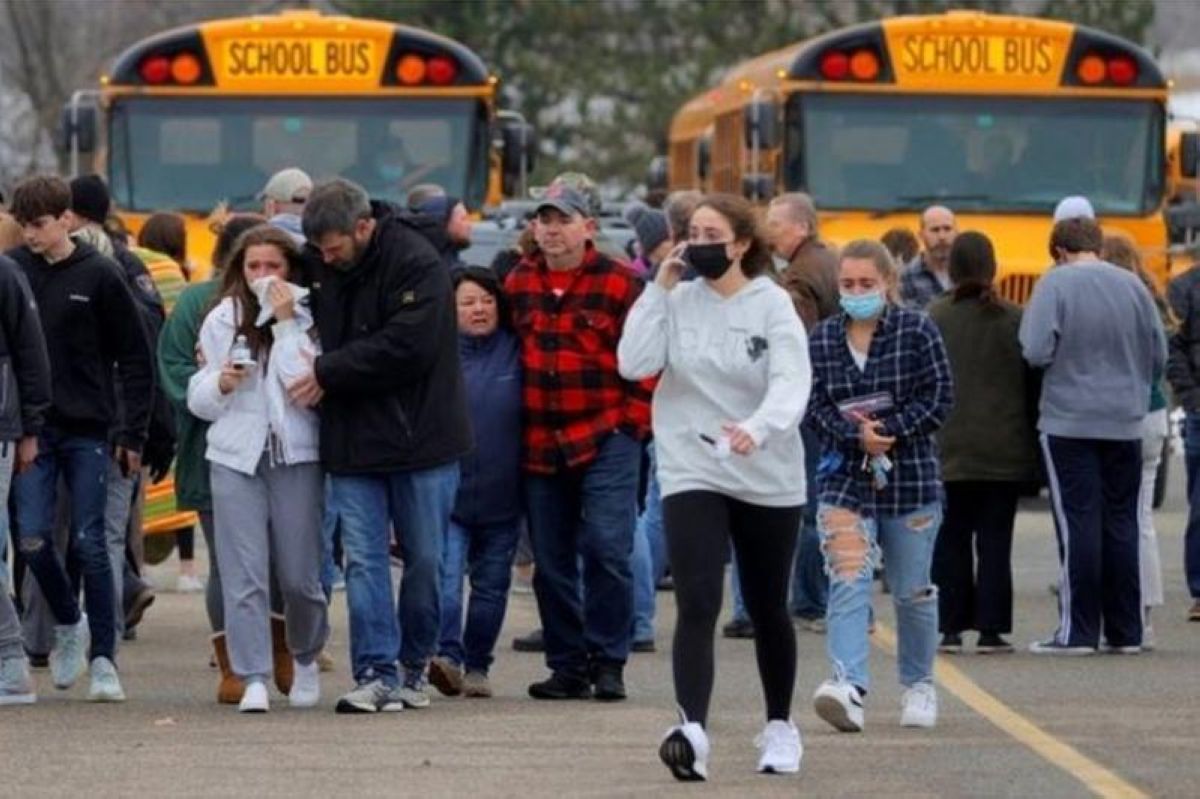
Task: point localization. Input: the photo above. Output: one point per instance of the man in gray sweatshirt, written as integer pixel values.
(1095, 331)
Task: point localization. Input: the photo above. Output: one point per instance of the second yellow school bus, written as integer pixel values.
(996, 117)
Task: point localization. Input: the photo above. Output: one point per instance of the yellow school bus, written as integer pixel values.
(996, 117)
(209, 112)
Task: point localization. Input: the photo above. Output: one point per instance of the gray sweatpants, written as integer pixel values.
(10, 622)
(272, 518)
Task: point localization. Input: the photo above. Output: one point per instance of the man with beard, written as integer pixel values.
(928, 276)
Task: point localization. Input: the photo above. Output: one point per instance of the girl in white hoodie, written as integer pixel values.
(735, 380)
(267, 483)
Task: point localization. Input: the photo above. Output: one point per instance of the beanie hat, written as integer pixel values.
(439, 207)
(1073, 207)
(650, 226)
(90, 198)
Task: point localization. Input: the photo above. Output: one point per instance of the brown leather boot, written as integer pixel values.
(282, 657)
(229, 691)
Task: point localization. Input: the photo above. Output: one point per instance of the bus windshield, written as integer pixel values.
(884, 153)
(186, 154)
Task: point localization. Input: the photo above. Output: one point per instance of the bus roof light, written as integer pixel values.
(835, 65)
(1122, 70)
(185, 69)
(442, 70)
(864, 65)
(411, 69)
(1091, 70)
(155, 70)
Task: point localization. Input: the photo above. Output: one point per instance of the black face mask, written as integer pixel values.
(709, 260)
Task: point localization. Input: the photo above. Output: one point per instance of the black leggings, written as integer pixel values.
(699, 527)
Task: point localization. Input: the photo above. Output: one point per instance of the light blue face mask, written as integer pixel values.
(863, 306)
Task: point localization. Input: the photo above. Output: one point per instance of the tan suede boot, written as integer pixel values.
(230, 689)
(281, 655)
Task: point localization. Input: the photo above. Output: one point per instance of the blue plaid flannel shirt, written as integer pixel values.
(908, 360)
(918, 285)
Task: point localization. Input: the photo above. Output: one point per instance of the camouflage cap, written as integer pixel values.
(585, 186)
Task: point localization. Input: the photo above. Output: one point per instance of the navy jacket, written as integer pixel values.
(490, 490)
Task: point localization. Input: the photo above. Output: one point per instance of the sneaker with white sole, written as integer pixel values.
(367, 697)
(16, 683)
(189, 584)
(306, 684)
(919, 706)
(779, 748)
(68, 658)
(841, 704)
(684, 750)
(255, 698)
(106, 685)
(1053, 647)
(413, 692)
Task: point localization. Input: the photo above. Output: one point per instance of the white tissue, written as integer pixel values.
(266, 312)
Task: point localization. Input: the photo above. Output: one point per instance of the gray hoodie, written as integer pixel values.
(1094, 328)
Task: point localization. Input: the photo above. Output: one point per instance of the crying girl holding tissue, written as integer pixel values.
(267, 484)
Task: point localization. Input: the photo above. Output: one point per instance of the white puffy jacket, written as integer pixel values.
(242, 418)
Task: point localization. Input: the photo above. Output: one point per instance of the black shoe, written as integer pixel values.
(992, 644)
(738, 628)
(951, 644)
(37, 660)
(143, 599)
(534, 642)
(667, 583)
(129, 634)
(643, 646)
(609, 684)
(561, 686)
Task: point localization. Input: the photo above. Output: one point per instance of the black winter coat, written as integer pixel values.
(394, 398)
(24, 362)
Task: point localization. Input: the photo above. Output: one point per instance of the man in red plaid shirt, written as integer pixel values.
(582, 450)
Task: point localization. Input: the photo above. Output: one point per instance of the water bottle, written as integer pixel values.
(241, 356)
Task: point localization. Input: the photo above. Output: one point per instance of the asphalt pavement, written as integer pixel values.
(1011, 725)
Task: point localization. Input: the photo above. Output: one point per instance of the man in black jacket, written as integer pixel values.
(394, 425)
(1183, 372)
(90, 323)
(24, 399)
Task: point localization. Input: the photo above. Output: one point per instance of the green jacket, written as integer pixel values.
(176, 365)
(991, 433)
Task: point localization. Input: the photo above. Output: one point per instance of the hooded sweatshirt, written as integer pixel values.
(740, 359)
(91, 321)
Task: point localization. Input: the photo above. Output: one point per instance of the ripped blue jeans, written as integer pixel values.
(851, 544)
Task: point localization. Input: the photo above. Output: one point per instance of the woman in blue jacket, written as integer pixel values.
(485, 523)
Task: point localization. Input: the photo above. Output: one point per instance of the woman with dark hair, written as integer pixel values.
(881, 389)
(485, 523)
(733, 360)
(267, 485)
(989, 449)
(166, 233)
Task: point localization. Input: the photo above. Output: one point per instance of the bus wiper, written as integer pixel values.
(915, 202)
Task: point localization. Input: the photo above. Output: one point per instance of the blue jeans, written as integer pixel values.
(1191, 541)
(586, 514)
(83, 464)
(810, 587)
(329, 529)
(649, 556)
(485, 556)
(852, 544)
(418, 504)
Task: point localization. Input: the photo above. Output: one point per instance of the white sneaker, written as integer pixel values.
(840, 703)
(779, 748)
(254, 699)
(16, 684)
(684, 750)
(920, 705)
(189, 584)
(306, 685)
(68, 658)
(106, 685)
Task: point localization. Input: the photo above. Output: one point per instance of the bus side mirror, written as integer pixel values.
(761, 121)
(77, 126)
(656, 173)
(758, 186)
(518, 148)
(1189, 154)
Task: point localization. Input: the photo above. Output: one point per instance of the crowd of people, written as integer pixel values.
(344, 390)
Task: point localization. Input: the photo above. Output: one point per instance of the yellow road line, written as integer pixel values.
(1099, 780)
